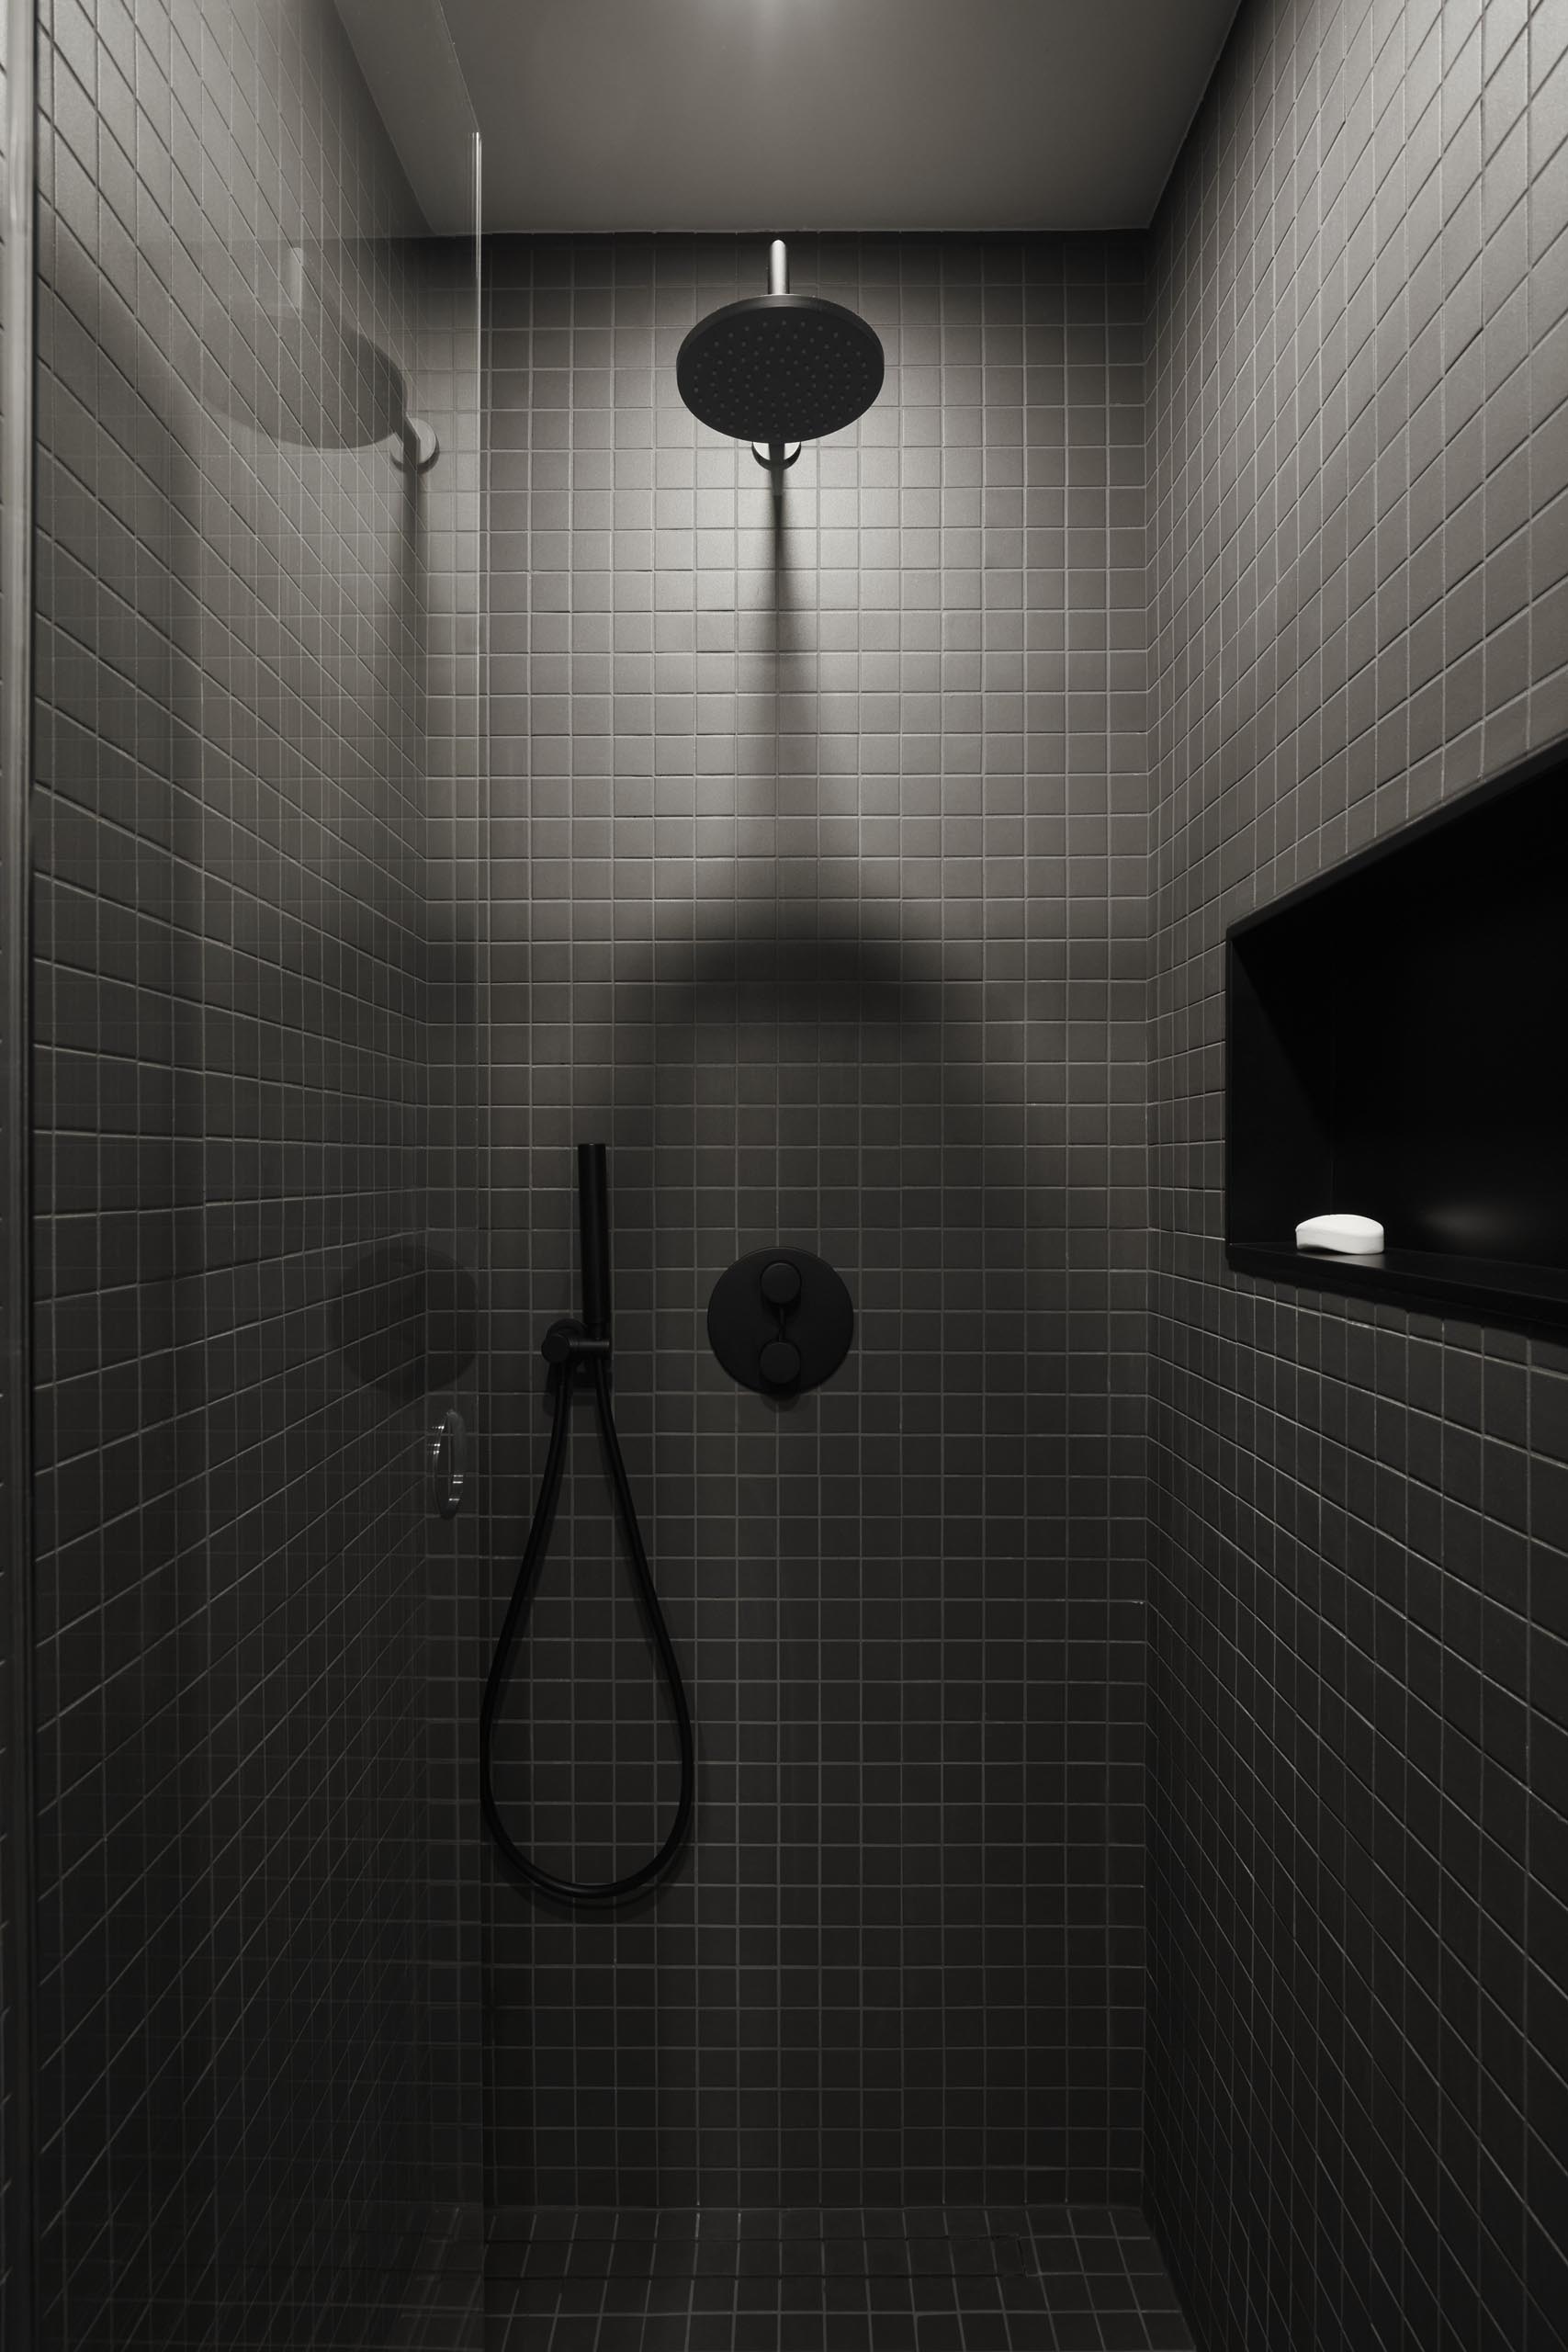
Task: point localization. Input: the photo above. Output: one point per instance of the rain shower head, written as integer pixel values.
(780, 368)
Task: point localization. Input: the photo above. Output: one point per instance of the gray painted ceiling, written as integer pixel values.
(780, 115)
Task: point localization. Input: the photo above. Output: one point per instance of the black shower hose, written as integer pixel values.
(568, 1890)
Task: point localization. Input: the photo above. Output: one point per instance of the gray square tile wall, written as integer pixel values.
(1358, 454)
(231, 1013)
(818, 865)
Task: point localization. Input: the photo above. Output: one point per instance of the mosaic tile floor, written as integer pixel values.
(1044, 2279)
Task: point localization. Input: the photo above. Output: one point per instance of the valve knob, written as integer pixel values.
(780, 1283)
(779, 1363)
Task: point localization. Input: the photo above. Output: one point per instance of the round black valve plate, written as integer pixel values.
(781, 1321)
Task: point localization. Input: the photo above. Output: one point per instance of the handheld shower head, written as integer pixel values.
(593, 1222)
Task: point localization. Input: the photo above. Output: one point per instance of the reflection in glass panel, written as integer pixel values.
(256, 653)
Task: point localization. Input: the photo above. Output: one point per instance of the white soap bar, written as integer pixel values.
(1352, 1236)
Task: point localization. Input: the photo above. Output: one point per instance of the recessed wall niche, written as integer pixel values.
(1397, 1045)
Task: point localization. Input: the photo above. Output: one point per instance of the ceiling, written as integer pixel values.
(763, 115)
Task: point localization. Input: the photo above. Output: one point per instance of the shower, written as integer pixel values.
(710, 1638)
(780, 368)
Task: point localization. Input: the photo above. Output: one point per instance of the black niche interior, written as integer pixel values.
(1397, 1045)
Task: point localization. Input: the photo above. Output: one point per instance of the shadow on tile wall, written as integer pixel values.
(817, 891)
(1358, 604)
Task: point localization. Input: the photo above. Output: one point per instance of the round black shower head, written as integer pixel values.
(780, 368)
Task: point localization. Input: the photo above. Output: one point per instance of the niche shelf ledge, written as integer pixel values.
(1396, 1045)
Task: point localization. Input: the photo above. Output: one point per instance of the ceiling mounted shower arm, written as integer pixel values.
(778, 454)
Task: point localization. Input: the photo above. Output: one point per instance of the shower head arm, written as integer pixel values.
(776, 455)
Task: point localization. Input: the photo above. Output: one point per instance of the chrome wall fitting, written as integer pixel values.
(448, 1463)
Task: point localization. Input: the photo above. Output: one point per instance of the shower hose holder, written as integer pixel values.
(567, 1343)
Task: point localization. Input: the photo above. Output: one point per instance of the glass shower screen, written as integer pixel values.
(254, 972)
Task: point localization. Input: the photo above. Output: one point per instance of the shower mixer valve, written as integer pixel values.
(781, 1321)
